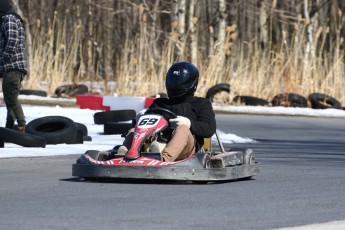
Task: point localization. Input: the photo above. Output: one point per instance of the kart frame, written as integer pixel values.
(203, 166)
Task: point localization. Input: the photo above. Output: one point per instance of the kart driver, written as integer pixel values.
(195, 117)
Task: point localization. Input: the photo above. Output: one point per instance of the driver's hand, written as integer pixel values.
(180, 120)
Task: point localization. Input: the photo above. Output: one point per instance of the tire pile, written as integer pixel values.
(71, 90)
(315, 100)
(46, 130)
(63, 91)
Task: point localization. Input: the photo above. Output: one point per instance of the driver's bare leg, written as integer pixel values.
(181, 145)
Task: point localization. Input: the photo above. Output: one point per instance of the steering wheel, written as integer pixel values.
(166, 113)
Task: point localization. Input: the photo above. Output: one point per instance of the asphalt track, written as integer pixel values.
(302, 181)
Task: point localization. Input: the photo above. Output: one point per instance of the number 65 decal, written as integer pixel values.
(148, 121)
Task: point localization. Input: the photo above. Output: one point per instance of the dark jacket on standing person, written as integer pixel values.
(12, 44)
(198, 110)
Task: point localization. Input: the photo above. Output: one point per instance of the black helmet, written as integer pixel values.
(181, 80)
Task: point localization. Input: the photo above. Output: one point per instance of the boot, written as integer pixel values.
(21, 129)
(9, 125)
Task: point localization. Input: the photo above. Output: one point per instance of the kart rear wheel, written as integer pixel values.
(249, 157)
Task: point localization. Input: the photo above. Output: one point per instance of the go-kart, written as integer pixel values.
(204, 166)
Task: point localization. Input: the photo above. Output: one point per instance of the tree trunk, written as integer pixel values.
(182, 19)
(193, 20)
(263, 27)
(309, 31)
(221, 37)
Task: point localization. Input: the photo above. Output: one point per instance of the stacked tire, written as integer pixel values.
(71, 90)
(323, 101)
(249, 100)
(40, 93)
(58, 130)
(315, 100)
(216, 89)
(290, 100)
(46, 130)
(116, 121)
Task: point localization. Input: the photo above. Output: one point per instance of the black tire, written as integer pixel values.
(23, 139)
(289, 100)
(248, 100)
(87, 138)
(83, 129)
(323, 101)
(81, 134)
(116, 128)
(114, 116)
(55, 129)
(2, 144)
(71, 90)
(77, 139)
(80, 89)
(40, 93)
(63, 89)
(222, 87)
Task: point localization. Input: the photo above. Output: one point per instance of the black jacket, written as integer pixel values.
(198, 110)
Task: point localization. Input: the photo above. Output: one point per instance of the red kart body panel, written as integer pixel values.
(146, 127)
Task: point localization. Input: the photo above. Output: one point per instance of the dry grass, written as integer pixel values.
(53, 57)
(141, 72)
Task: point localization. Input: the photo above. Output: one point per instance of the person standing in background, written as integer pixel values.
(13, 64)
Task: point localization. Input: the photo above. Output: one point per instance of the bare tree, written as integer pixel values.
(193, 20)
(263, 27)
